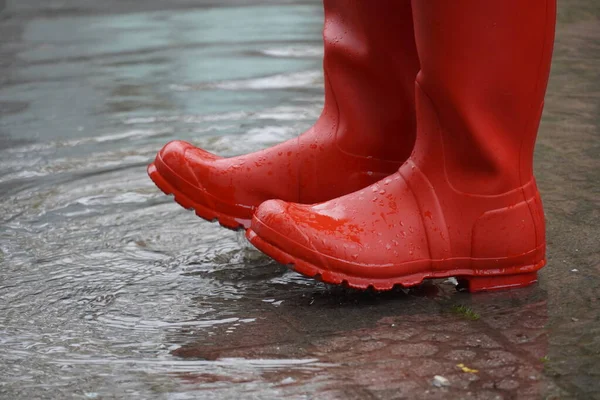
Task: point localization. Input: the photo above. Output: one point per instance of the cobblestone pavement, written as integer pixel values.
(109, 290)
(391, 346)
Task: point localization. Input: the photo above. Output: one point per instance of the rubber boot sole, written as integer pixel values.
(467, 279)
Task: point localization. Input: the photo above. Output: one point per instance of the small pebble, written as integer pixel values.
(452, 280)
(440, 381)
(288, 380)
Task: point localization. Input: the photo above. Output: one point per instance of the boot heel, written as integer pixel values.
(497, 282)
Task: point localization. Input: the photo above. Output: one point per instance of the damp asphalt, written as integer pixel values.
(108, 289)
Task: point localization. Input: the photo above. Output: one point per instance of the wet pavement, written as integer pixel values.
(110, 290)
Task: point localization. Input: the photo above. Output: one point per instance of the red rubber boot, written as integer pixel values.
(366, 131)
(465, 204)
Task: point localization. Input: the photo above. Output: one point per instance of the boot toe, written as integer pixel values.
(275, 221)
(273, 216)
(173, 153)
(184, 161)
(172, 163)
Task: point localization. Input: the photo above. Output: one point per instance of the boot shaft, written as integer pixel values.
(370, 65)
(484, 69)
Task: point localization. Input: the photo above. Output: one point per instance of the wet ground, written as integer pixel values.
(110, 290)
